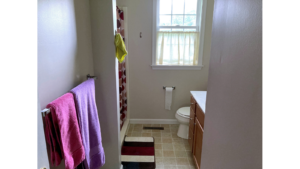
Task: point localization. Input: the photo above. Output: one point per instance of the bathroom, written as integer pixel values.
(76, 38)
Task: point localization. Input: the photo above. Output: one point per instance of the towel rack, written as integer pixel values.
(164, 87)
(89, 76)
(45, 111)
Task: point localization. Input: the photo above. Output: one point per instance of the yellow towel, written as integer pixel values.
(121, 51)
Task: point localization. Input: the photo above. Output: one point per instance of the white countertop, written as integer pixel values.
(200, 97)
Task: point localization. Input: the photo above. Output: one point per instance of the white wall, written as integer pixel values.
(103, 17)
(64, 55)
(233, 119)
(42, 156)
(64, 46)
(146, 85)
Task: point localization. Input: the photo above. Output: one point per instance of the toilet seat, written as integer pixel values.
(184, 112)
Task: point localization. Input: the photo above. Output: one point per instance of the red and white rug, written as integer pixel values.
(138, 153)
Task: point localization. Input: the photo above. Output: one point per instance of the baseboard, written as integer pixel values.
(153, 121)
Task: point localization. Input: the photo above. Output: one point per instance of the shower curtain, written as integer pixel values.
(122, 71)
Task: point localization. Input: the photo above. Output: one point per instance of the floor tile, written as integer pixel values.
(187, 147)
(166, 140)
(158, 153)
(158, 146)
(191, 161)
(138, 126)
(167, 153)
(170, 167)
(146, 134)
(183, 167)
(159, 161)
(165, 126)
(137, 129)
(156, 135)
(179, 147)
(180, 153)
(167, 146)
(173, 129)
(146, 131)
(174, 132)
(174, 125)
(166, 130)
(130, 127)
(169, 161)
(177, 141)
(136, 134)
(185, 141)
(189, 154)
(157, 140)
(167, 135)
(171, 151)
(182, 161)
(174, 135)
(156, 131)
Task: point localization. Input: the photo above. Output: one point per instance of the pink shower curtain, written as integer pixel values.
(122, 71)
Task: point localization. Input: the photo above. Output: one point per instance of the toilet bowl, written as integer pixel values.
(183, 117)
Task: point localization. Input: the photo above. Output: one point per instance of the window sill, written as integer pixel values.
(173, 67)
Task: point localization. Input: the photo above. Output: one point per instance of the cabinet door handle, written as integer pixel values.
(192, 103)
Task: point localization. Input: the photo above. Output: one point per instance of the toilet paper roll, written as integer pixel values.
(168, 98)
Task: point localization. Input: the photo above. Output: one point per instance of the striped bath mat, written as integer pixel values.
(138, 153)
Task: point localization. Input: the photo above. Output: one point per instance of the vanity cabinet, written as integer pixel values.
(192, 121)
(196, 128)
(197, 143)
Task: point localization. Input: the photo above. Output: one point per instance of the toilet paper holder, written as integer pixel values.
(164, 87)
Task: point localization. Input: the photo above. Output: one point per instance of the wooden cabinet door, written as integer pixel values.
(200, 115)
(197, 146)
(193, 103)
(191, 128)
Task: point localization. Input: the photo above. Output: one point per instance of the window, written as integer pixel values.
(177, 34)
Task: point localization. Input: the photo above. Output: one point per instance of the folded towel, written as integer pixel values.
(84, 96)
(66, 130)
(121, 51)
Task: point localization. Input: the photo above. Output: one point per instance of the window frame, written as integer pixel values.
(199, 20)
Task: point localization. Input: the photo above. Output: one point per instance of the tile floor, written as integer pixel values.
(171, 151)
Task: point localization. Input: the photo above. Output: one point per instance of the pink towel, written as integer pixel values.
(66, 131)
(51, 138)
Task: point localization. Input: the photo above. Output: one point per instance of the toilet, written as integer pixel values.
(183, 117)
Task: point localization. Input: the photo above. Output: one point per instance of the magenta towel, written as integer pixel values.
(66, 131)
(55, 151)
(87, 114)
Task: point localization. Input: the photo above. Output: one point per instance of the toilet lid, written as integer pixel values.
(184, 111)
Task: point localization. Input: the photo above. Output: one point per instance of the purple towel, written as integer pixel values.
(84, 96)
